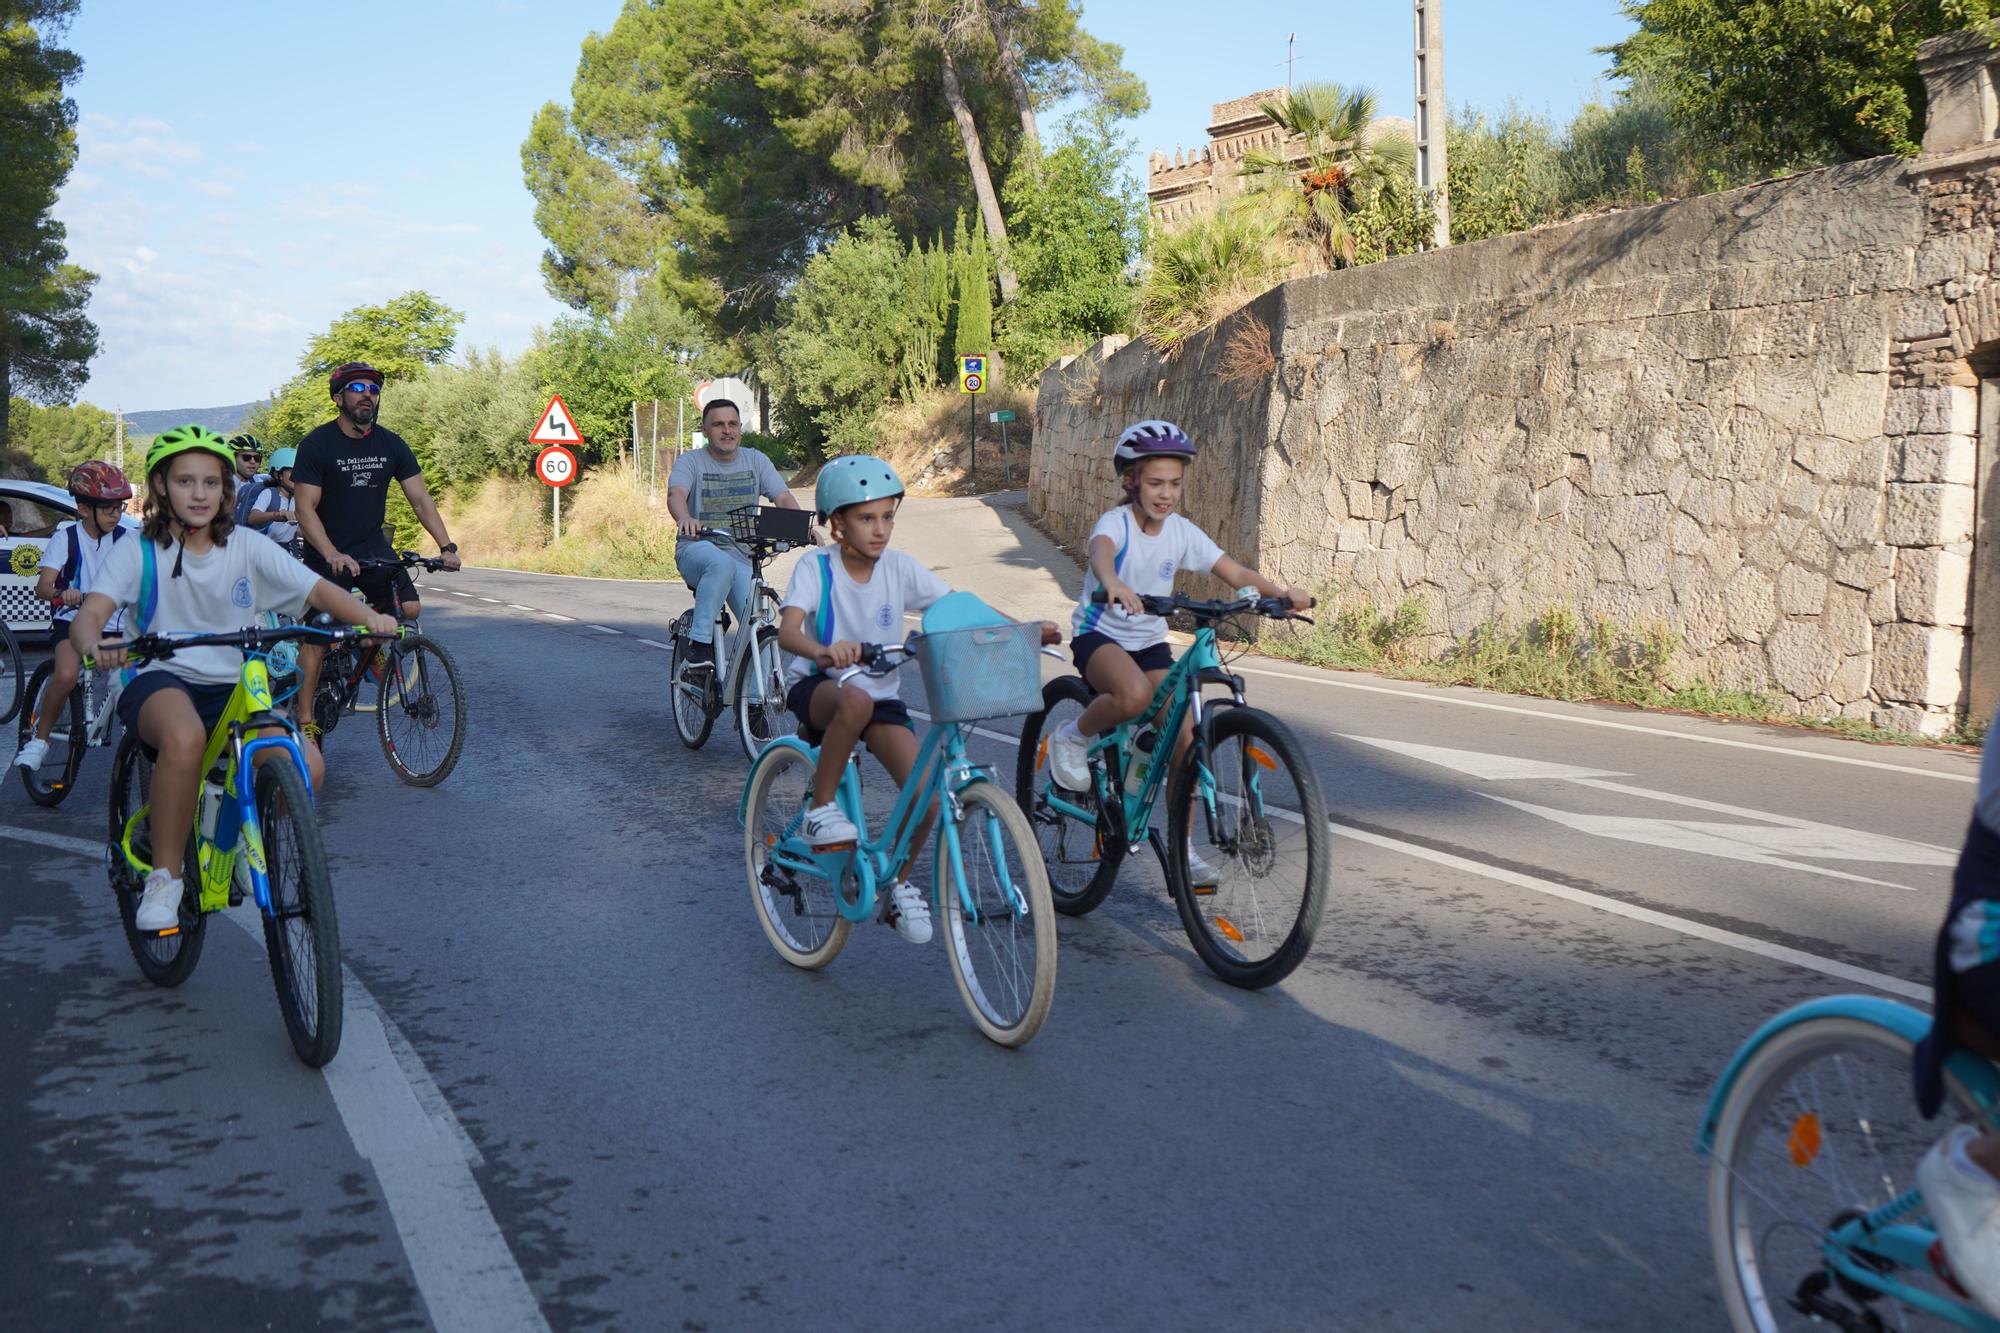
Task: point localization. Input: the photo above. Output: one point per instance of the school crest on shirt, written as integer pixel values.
(239, 596)
(1166, 569)
(885, 617)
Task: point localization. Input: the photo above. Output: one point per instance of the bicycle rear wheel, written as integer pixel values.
(11, 696)
(1003, 943)
(420, 710)
(688, 688)
(1820, 1124)
(49, 784)
(1268, 844)
(799, 912)
(1082, 860)
(761, 715)
(164, 960)
(301, 933)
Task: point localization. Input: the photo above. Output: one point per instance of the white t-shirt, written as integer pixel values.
(1147, 565)
(95, 551)
(225, 588)
(274, 500)
(870, 612)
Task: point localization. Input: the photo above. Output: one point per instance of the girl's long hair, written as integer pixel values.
(158, 520)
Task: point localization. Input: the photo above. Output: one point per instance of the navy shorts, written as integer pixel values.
(209, 700)
(1153, 657)
(59, 631)
(1978, 992)
(799, 699)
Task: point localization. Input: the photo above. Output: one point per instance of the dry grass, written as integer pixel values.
(1246, 354)
(607, 530)
(925, 441)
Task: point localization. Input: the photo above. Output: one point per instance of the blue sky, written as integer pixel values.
(248, 169)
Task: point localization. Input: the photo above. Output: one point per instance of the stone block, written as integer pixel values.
(1927, 514)
(1801, 591)
(1846, 624)
(1751, 601)
(1851, 406)
(1849, 515)
(1882, 603)
(1865, 568)
(1646, 565)
(1934, 585)
(1360, 497)
(1684, 535)
(1916, 721)
(1938, 458)
(1802, 662)
(1918, 664)
(1945, 409)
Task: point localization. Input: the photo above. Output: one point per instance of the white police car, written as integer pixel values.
(30, 511)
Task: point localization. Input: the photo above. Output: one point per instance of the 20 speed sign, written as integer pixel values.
(556, 466)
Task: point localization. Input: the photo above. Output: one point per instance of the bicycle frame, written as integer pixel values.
(1892, 1235)
(238, 831)
(940, 772)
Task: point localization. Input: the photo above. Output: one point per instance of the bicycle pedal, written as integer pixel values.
(163, 934)
(1203, 890)
(827, 849)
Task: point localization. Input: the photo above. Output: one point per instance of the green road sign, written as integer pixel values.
(1006, 414)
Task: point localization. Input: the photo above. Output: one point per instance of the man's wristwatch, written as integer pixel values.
(449, 548)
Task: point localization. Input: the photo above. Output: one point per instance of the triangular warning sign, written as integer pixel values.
(556, 426)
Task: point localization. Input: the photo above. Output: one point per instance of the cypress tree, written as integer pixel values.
(975, 296)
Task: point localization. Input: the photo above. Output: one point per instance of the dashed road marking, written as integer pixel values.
(604, 629)
(494, 600)
(556, 615)
(655, 643)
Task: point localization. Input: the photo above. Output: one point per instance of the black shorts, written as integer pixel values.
(209, 701)
(799, 699)
(1978, 993)
(59, 631)
(376, 585)
(1153, 657)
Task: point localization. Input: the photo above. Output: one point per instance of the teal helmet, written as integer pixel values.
(283, 458)
(852, 480)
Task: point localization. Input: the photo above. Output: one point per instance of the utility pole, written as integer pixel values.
(1431, 174)
(120, 428)
(1291, 53)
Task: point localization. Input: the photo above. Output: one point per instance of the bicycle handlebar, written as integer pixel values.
(1275, 608)
(410, 560)
(877, 659)
(158, 647)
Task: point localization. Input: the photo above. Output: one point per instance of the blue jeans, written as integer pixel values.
(714, 574)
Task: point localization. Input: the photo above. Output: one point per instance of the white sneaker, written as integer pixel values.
(1964, 1203)
(912, 915)
(160, 907)
(1069, 758)
(32, 754)
(826, 826)
(1201, 875)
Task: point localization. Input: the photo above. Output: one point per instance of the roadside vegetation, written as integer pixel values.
(608, 532)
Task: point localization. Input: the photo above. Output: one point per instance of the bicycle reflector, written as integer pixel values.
(1805, 1139)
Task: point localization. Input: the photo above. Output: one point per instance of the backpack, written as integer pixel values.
(72, 564)
(246, 497)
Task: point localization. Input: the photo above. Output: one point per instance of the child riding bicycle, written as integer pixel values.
(70, 568)
(1136, 549)
(855, 593)
(186, 577)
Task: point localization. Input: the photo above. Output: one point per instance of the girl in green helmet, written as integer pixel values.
(202, 583)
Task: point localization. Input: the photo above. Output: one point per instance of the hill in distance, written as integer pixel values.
(223, 420)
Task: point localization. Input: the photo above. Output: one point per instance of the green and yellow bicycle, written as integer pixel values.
(256, 832)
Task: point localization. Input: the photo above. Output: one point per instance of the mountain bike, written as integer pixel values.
(255, 830)
(753, 673)
(419, 706)
(11, 695)
(1813, 1140)
(1262, 816)
(988, 887)
(87, 725)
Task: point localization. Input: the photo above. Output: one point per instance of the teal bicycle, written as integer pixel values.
(1813, 1140)
(1262, 824)
(990, 893)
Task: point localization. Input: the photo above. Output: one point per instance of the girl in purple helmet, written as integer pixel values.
(1136, 550)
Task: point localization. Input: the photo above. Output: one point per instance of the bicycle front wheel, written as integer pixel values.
(799, 912)
(301, 933)
(1001, 933)
(51, 782)
(164, 960)
(1819, 1125)
(761, 715)
(1259, 826)
(11, 696)
(688, 688)
(420, 711)
(1082, 860)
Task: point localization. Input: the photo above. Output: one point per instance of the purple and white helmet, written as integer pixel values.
(1151, 439)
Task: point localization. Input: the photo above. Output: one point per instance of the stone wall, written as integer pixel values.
(1752, 418)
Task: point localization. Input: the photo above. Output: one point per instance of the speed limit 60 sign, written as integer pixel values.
(556, 466)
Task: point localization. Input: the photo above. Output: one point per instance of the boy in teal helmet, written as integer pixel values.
(273, 511)
(845, 595)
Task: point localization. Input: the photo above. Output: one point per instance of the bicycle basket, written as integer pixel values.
(982, 671)
(784, 525)
(740, 523)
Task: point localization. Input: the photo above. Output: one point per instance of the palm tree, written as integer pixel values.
(1340, 170)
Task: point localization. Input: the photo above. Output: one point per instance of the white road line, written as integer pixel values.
(553, 615)
(655, 643)
(494, 600)
(422, 1156)
(1730, 939)
(603, 629)
(516, 606)
(1417, 696)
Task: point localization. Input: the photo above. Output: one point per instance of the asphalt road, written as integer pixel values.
(579, 1090)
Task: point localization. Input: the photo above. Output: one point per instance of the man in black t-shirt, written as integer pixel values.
(341, 484)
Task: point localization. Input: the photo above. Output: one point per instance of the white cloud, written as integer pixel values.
(216, 189)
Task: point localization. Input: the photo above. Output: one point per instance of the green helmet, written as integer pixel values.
(851, 480)
(180, 439)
